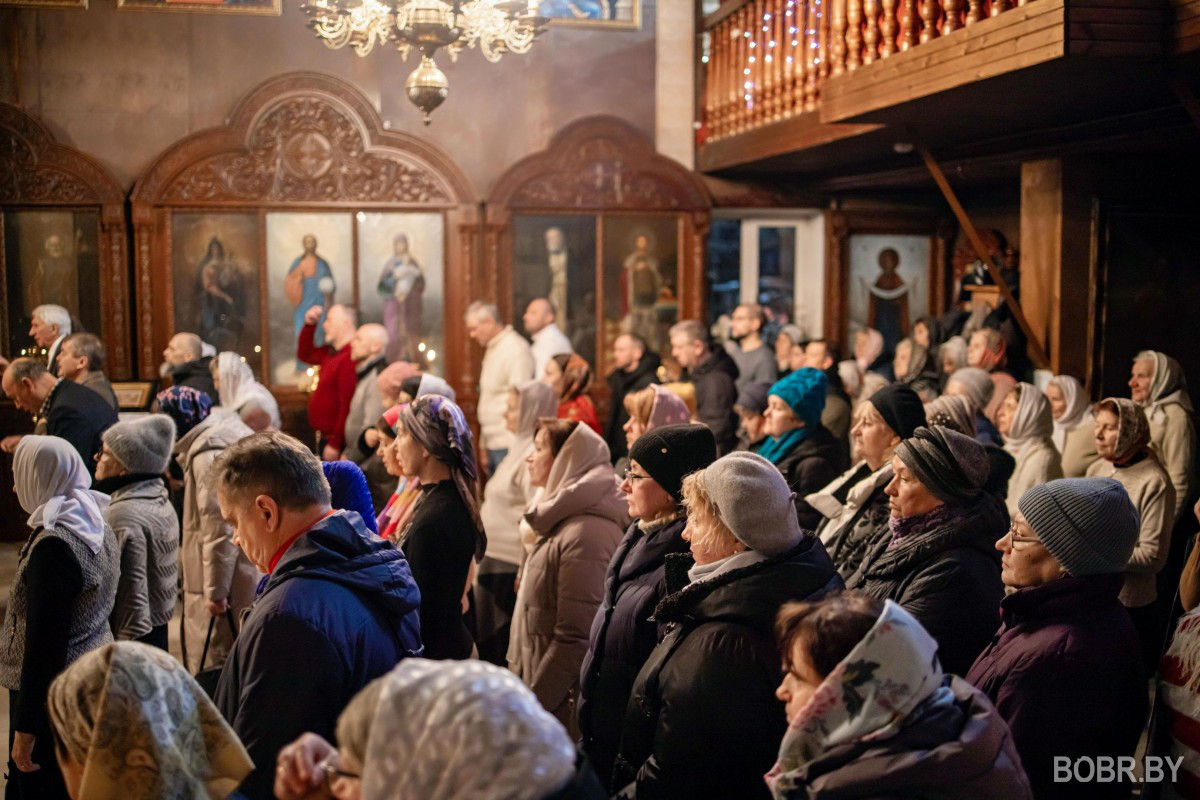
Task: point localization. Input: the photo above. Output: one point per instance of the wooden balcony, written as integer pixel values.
(816, 84)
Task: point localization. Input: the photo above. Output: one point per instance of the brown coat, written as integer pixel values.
(571, 530)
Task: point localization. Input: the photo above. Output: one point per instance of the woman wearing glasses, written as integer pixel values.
(570, 530)
(1064, 668)
(623, 634)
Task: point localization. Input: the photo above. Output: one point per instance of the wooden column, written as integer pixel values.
(1056, 269)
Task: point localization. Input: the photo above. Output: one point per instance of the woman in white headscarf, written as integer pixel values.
(1025, 422)
(439, 730)
(504, 499)
(239, 392)
(1159, 386)
(59, 603)
(132, 724)
(1074, 426)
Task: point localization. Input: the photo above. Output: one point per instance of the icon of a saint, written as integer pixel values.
(222, 298)
(887, 307)
(309, 282)
(557, 258)
(402, 287)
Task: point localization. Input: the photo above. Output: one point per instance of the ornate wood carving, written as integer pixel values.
(35, 170)
(299, 141)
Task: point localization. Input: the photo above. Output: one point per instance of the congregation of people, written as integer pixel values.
(758, 566)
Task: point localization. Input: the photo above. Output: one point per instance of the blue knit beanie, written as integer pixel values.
(804, 392)
(1089, 525)
(348, 490)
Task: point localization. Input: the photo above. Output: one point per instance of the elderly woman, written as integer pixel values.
(1158, 385)
(854, 506)
(868, 351)
(569, 375)
(976, 385)
(683, 735)
(505, 497)
(952, 356)
(915, 366)
(1123, 441)
(434, 444)
(439, 730)
(129, 722)
(570, 529)
(1063, 669)
(988, 351)
(804, 450)
(59, 604)
(871, 714)
(240, 393)
(623, 633)
(1026, 424)
(940, 563)
(952, 411)
(1074, 428)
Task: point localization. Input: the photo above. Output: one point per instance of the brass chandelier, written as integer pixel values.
(494, 26)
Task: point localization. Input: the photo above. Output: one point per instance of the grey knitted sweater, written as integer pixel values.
(147, 532)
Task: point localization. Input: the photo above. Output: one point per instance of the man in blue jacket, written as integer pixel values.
(338, 606)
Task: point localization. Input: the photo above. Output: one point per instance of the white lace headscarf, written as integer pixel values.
(457, 730)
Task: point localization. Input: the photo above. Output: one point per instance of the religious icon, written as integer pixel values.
(222, 293)
(641, 285)
(887, 308)
(640, 277)
(888, 284)
(54, 276)
(402, 286)
(622, 14)
(555, 257)
(309, 283)
(271, 7)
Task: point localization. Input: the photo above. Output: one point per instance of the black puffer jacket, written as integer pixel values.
(810, 467)
(716, 393)
(703, 720)
(621, 383)
(947, 577)
(623, 636)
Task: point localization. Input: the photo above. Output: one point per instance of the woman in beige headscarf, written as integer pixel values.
(131, 724)
(1074, 427)
(1026, 423)
(1158, 385)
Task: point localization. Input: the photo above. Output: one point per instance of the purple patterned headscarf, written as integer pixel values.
(187, 406)
(438, 425)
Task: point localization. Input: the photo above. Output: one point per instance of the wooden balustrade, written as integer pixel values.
(767, 59)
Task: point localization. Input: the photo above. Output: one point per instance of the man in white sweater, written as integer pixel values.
(507, 363)
(541, 323)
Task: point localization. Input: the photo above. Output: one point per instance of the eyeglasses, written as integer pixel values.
(1018, 539)
(630, 475)
(332, 772)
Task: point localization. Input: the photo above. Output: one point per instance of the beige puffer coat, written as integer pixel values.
(214, 568)
(572, 527)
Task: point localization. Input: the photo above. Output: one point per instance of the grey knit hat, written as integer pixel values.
(144, 444)
(1089, 525)
(755, 502)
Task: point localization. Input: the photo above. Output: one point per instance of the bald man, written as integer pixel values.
(541, 323)
(368, 350)
(185, 364)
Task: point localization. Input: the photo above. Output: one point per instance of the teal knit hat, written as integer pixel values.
(1088, 524)
(804, 392)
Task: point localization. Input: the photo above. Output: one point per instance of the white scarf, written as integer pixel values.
(238, 387)
(1078, 409)
(53, 487)
(1031, 422)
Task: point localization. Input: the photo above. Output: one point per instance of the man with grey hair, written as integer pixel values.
(507, 363)
(185, 364)
(81, 359)
(339, 606)
(50, 324)
(710, 369)
(63, 408)
(368, 350)
(755, 361)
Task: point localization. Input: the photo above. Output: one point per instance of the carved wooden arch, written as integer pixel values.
(606, 166)
(38, 172)
(301, 141)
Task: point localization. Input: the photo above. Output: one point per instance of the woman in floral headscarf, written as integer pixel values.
(1123, 441)
(870, 712)
(569, 375)
(445, 533)
(131, 724)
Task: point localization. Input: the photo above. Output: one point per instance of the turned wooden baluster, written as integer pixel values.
(854, 18)
(837, 37)
(999, 7)
(779, 35)
(811, 56)
(737, 118)
(721, 44)
(953, 9)
(871, 31)
(762, 20)
(887, 29)
(975, 11)
(908, 24)
(929, 20)
(824, 41)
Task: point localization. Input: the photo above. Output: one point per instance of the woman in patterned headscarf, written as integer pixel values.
(569, 375)
(131, 724)
(435, 445)
(1123, 441)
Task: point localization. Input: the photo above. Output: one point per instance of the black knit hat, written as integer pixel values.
(901, 408)
(671, 453)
